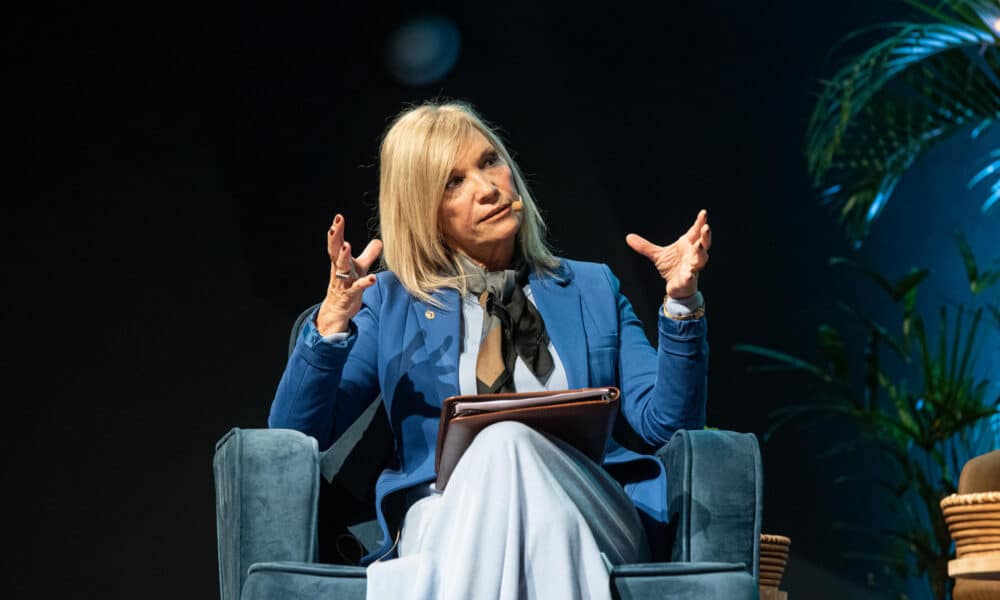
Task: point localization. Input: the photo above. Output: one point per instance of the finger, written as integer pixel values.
(368, 256)
(642, 245)
(335, 238)
(345, 260)
(706, 236)
(698, 258)
(363, 284)
(342, 264)
(695, 231)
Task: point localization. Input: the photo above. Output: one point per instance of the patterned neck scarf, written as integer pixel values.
(512, 327)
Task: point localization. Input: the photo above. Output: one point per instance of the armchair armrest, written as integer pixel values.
(266, 495)
(714, 488)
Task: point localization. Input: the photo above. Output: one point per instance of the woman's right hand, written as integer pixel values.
(343, 295)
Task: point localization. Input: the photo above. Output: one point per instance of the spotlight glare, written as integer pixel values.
(423, 50)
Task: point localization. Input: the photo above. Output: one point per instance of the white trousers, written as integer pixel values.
(524, 516)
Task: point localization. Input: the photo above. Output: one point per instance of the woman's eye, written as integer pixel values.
(491, 160)
(454, 182)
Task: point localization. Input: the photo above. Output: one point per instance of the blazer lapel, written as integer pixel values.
(441, 330)
(558, 300)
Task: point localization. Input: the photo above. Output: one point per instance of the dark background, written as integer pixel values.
(174, 174)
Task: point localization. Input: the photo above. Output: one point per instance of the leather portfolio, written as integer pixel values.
(583, 418)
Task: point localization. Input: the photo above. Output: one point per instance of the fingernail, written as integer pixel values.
(336, 220)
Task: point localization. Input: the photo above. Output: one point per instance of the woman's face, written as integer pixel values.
(475, 213)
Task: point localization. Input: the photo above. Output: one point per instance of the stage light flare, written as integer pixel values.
(423, 50)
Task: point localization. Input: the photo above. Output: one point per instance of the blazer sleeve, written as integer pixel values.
(665, 389)
(327, 385)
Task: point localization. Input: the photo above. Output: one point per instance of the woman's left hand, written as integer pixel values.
(679, 262)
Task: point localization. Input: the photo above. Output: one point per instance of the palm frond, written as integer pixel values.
(876, 331)
(968, 260)
(979, 280)
(786, 360)
(884, 108)
(991, 172)
(868, 272)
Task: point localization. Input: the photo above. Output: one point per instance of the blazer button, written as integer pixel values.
(429, 314)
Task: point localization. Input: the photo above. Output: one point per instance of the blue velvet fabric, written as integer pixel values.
(687, 581)
(304, 581)
(267, 486)
(654, 581)
(266, 490)
(715, 489)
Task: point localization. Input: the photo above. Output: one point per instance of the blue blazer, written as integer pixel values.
(408, 350)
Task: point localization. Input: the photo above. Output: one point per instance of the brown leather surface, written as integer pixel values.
(981, 474)
(586, 425)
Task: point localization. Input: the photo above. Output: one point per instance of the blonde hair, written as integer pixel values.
(418, 153)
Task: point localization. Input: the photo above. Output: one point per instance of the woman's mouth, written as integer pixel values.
(496, 213)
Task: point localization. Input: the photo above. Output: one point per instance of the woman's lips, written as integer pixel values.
(503, 210)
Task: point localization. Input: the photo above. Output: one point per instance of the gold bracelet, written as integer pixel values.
(692, 316)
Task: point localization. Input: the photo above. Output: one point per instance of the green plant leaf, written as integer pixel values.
(995, 311)
(919, 84)
(949, 12)
(968, 260)
(987, 280)
(962, 372)
(878, 330)
(909, 306)
(785, 359)
(989, 173)
(908, 283)
(934, 12)
(872, 274)
(832, 345)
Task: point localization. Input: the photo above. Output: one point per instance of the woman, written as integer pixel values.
(523, 515)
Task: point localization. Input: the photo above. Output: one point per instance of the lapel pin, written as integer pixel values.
(429, 314)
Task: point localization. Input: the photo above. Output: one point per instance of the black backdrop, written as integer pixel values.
(175, 173)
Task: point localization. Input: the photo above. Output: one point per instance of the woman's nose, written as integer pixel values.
(486, 190)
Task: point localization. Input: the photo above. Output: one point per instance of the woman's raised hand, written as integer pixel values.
(679, 262)
(348, 279)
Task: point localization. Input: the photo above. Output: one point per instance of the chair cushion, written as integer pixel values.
(684, 581)
(687, 581)
(302, 581)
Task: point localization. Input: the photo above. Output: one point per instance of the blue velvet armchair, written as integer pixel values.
(280, 526)
(267, 507)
